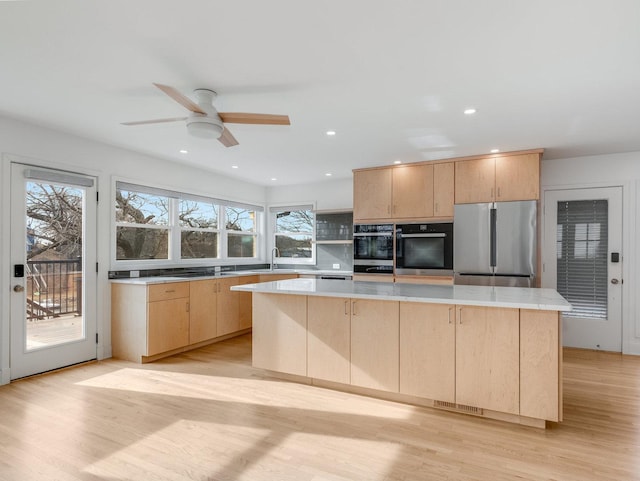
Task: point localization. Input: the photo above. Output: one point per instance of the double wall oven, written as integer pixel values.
(424, 249)
(373, 249)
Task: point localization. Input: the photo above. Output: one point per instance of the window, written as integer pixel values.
(241, 232)
(294, 233)
(198, 229)
(142, 222)
(156, 224)
(582, 245)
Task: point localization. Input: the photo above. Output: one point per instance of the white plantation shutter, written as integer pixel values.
(582, 238)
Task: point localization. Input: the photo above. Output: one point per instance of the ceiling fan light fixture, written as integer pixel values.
(205, 127)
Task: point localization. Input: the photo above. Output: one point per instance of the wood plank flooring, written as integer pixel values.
(208, 415)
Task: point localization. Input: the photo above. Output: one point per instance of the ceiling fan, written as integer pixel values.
(205, 121)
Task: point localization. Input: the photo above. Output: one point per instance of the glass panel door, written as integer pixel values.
(53, 322)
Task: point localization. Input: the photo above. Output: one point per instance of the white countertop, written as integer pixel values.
(516, 297)
(164, 279)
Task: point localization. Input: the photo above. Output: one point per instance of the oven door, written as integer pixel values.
(424, 254)
(373, 246)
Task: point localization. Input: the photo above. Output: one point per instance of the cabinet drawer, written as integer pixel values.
(171, 290)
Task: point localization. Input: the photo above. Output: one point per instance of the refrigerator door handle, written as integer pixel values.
(493, 261)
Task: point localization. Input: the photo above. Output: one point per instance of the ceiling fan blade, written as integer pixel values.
(181, 99)
(246, 118)
(154, 121)
(227, 139)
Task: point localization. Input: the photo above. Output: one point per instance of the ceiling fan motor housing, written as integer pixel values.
(207, 126)
(204, 126)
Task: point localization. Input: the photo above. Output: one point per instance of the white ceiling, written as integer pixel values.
(392, 78)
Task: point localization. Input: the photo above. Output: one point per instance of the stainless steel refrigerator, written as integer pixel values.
(494, 244)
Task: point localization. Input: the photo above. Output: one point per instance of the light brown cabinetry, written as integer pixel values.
(487, 358)
(375, 344)
(540, 365)
(203, 307)
(234, 308)
(427, 350)
(147, 320)
(498, 179)
(280, 338)
(329, 339)
(419, 191)
(372, 194)
(412, 191)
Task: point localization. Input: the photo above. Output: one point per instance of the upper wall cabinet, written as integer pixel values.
(498, 179)
(407, 192)
(372, 194)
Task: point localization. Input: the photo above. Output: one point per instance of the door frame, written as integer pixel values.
(630, 215)
(102, 284)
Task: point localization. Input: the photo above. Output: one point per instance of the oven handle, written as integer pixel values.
(406, 236)
(372, 234)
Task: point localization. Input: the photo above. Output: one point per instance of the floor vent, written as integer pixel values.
(458, 407)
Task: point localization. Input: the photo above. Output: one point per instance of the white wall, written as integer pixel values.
(328, 195)
(610, 170)
(49, 148)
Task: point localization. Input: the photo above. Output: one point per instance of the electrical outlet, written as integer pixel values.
(336, 266)
(134, 273)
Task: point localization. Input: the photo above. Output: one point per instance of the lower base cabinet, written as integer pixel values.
(375, 344)
(428, 350)
(329, 339)
(502, 360)
(487, 358)
(280, 338)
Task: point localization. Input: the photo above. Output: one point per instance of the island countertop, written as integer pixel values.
(513, 297)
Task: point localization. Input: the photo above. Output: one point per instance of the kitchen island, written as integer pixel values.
(488, 351)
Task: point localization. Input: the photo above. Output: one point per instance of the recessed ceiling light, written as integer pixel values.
(183, 151)
(328, 174)
(469, 111)
(495, 151)
(234, 166)
(273, 178)
(331, 132)
(397, 161)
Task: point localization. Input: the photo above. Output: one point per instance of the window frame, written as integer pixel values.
(175, 229)
(298, 206)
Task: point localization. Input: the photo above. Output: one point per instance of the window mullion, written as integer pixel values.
(174, 230)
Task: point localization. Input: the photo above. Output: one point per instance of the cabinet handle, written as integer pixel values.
(437, 209)
(492, 192)
(459, 315)
(450, 314)
(353, 309)
(188, 307)
(170, 290)
(346, 308)
(498, 192)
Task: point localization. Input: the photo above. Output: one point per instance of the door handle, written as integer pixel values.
(18, 288)
(613, 281)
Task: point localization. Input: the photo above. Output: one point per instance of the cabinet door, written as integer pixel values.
(487, 358)
(443, 189)
(244, 299)
(372, 194)
(518, 177)
(228, 319)
(329, 338)
(202, 306)
(540, 365)
(427, 350)
(280, 333)
(412, 191)
(375, 344)
(475, 181)
(167, 325)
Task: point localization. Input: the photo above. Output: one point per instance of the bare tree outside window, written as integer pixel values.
(294, 233)
(147, 214)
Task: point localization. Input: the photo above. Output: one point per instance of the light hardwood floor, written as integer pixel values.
(208, 415)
